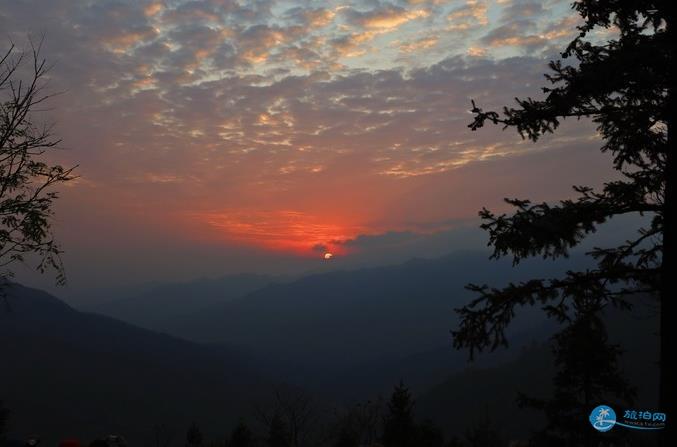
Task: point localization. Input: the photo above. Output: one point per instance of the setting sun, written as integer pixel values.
(328, 256)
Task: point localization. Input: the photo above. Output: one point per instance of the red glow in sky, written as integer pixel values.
(290, 231)
(289, 130)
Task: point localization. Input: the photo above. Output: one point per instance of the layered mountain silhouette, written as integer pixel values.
(158, 306)
(67, 373)
(74, 374)
(353, 332)
(469, 397)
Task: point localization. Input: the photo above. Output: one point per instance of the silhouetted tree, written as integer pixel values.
(429, 435)
(588, 375)
(346, 430)
(399, 429)
(4, 417)
(241, 436)
(194, 436)
(278, 433)
(161, 436)
(348, 436)
(484, 434)
(297, 412)
(26, 182)
(626, 86)
(369, 419)
(360, 424)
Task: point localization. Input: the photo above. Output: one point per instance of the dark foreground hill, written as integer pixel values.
(67, 373)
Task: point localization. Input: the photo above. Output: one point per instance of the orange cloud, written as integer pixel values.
(123, 42)
(283, 230)
(420, 44)
(352, 45)
(566, 28)
(477, 52)
(153, 9)
(472, 14)
(391, 18)
(517, 41)
(256, 48)
(318, 18)
(145, 83)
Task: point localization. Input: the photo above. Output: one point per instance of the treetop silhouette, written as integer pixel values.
(625, 85)
(26, 182)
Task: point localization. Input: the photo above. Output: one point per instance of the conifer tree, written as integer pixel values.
(429, 435)
(194, 436)
(278, 432)
(399, 429)
(347, 437)
(588, 375)
(241, 436)
(484, 434)
(625, 85)
(4, 416)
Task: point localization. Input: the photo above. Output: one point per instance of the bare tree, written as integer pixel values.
(26, 179)
(161, 436)
(361, 423)
(4, 416)
(297, 412)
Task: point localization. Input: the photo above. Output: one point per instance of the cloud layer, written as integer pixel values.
(293, 126)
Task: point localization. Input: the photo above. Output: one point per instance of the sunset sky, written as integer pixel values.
(222, 136)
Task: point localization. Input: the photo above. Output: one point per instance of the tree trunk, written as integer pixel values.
(668, 295)
(668, 298)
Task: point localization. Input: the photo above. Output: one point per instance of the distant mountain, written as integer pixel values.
(67, 373)
(321, 329)
(466, 397)
(155, 306)
(423, 370)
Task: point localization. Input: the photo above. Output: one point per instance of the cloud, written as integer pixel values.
(514, 34)
(286, 230)
(526, 26)
(311, 17)
(471, 15)
(477, 52)
(389, 239)
(153, 9)
(520, 9)
(320, 248)
(249, 124)
(388, 17)
(352, 45)
(423, 43)
(257, 42)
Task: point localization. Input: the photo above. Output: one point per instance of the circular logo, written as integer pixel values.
(603, 418)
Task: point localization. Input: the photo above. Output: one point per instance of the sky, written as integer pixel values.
(223, 136)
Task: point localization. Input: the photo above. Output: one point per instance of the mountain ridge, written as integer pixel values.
(70, 373)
